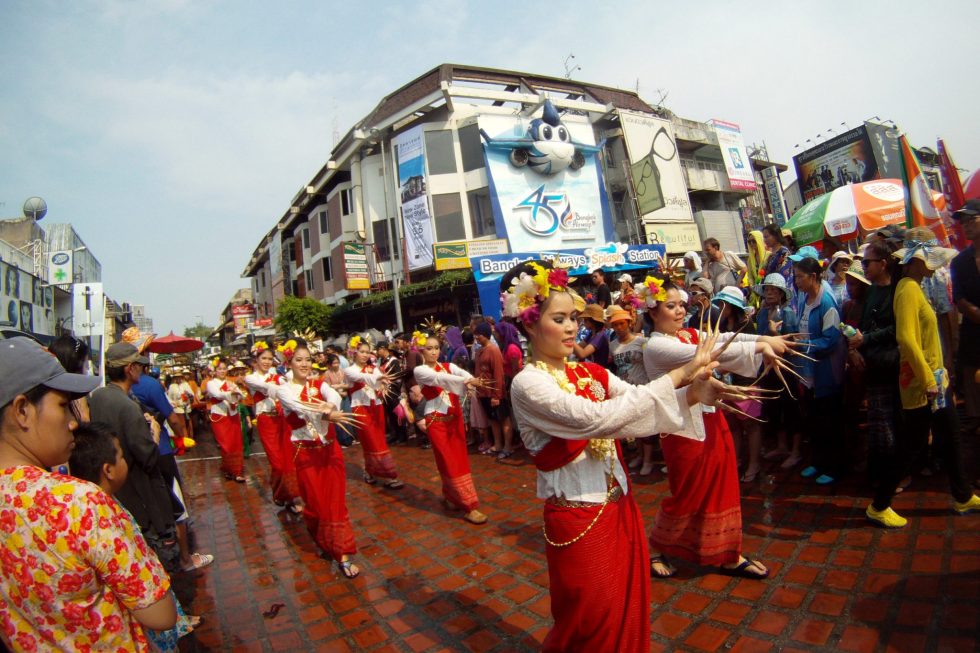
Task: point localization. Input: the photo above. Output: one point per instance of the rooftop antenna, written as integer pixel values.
(569, 68)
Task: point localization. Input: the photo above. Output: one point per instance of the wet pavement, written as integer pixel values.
(432, 582)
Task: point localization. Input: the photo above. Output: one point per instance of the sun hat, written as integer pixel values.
(857, 274)
(807, 251)
(704, 285)
(625, 277)
(617, 314)
(838, 257)
(922, 244)
(730, 295)
(593, 312)
(25, 365)
(685, 298)
(776, 280)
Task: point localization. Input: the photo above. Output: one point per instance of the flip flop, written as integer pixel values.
(199, 561)
(348, 570)
(662, 560)
(742, 570)
(394, 484)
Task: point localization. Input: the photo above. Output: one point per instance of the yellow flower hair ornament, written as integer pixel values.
(356, 342)
(419, 339)
(652, 291)
(287, 349)
(259, 347)
(528, 291)
(215, 362)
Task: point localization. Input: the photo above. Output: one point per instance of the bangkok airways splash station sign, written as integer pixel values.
(488, 270)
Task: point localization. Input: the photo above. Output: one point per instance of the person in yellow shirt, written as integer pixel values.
(923, 382)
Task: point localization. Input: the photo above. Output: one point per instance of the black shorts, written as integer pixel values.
(495, 413)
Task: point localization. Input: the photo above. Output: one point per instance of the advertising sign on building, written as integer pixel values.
(774, 192)
(356, 267)
(655, 168)
(844, 159)
(26, 303)
(87, 309)
(737, 164)
(60, 269)
(242, 315)
(417, 223)
(456, 255)
(677, 237)
(611, 257)
(546, 187)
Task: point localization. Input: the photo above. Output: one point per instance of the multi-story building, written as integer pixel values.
(428, 166)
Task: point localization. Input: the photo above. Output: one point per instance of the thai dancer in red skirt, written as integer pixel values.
(368, 385)
(571, 418)
(441, 385)
(701, 520)
(223, 397)
(312, 408)
(264, 383)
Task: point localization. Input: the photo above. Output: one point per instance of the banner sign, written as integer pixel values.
(677, 237)
(884, 144)
(26, 303)
(737, 164)
(611, 257)
(774, 191)
(655, 169)
(456, 255)
(87, 310)
(842, 160)
(547, 190)
(414, 199)
(242, 315)
(263, 322)
(356, 267)
(60, 269)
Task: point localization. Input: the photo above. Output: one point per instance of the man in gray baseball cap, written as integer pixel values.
(25, 365)
(122, 354)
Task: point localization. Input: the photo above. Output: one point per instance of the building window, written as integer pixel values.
(309, 282)
(381, 242)
(262, 278)
(324, 228)
(346, 202)
(481, 213)
(327, 268)
(448, 213)
(439, 152)
(306, 239)
(471, 147)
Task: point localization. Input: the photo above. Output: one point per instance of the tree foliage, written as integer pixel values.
(199, 330)
(302, 314)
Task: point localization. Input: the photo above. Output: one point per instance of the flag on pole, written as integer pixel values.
(921, 209)
(953, 190)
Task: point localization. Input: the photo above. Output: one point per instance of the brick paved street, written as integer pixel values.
(432, 582)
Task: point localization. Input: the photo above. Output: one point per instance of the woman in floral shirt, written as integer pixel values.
(75, 576)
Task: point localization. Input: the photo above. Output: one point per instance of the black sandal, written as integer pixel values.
(743, 570)
(394, 484)
(347, 569)
(370, 480)
(662, 560)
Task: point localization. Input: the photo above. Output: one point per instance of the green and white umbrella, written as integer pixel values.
(849, 212)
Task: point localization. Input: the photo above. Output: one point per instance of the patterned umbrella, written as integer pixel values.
(172, 344)
(846, 212)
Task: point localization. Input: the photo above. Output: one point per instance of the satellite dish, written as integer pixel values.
(35, 208)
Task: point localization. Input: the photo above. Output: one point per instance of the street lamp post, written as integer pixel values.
(391, 236)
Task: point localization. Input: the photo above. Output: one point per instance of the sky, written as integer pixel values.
(174, 133)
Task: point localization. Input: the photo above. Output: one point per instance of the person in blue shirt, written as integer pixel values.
(152, 397)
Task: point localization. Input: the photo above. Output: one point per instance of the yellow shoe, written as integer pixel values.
(887, 517)
(971, 505)
(189, 443)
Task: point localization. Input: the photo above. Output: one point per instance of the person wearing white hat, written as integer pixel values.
(776, 318)
(692, 267)
(923, 382)
(840, 263)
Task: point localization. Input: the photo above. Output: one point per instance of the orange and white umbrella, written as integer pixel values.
(849, 211)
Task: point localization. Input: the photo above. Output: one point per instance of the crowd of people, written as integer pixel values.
(708, 374)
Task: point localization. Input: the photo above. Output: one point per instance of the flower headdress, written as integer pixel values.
(419, 338)
(215, 362)
(259, 347)
(529, 290)
(433, 327)
(309, 337)
(356, 342)
(652, 291)
(287, 349)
